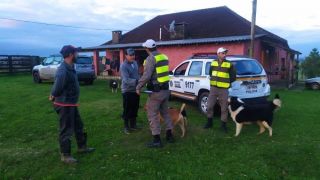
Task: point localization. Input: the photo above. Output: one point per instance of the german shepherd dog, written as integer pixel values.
(242, 113)
(178, 117)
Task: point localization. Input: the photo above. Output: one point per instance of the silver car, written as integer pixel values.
(49, 66)
(313, 83)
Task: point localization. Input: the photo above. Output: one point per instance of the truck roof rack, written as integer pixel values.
(214, 56)
(239, 56)
(203, 56)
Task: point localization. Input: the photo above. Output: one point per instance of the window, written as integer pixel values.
(247, 67)
(48, 61)
(208, 64)
(57, 60)
(283, 64)
(84, 60)
(195, 68)
(181, 70)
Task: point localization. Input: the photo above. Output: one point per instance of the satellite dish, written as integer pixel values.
(171, 26)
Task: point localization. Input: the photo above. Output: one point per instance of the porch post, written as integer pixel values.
(96, 62)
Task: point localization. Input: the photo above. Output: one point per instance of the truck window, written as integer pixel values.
(57, 60)
(208, 64)
(48, 61)
(84, 60)
(247, 67)
(181, 70)
(195, 68)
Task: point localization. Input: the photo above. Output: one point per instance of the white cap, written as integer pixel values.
(221, 50)
(149, 44)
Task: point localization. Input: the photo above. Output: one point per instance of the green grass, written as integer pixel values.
(29, 146)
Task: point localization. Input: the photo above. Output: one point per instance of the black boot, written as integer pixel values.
(156, 143)
(126, 126)
(169, 136)
(133, 124)
(86, 150)
(224, 127)
(82, 145)
(209, 124)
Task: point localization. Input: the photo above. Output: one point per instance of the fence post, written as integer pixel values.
(10, 64)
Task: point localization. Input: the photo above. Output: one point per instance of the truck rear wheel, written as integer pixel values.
(203, 102)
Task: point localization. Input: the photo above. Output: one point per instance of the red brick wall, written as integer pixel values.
(177, 54)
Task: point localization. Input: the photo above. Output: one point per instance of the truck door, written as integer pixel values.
(177, 79)
(45, 69)
(192, 79)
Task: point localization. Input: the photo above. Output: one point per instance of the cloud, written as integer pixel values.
(296, 21)
(298, 36)
(8, 24)
(291, 15)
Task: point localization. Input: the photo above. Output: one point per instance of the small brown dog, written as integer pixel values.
(178, 116)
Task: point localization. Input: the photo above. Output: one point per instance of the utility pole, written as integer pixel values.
(253, 23)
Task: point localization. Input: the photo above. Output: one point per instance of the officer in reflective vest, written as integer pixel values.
(156, 74)
(222, 74)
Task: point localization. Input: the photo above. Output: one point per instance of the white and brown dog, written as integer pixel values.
(262, 114)
(178, 117)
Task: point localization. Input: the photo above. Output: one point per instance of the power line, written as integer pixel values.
(59, 25)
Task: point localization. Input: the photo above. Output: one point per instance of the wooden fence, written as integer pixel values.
(18, 63)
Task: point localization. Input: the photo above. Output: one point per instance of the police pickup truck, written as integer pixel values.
(190, 80)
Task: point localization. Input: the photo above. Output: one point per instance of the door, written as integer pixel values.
(177, 80)
(191, 83)
(45, 69)
(54, 66)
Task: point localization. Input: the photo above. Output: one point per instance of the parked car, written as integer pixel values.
(49, 66)
(313, 83)
(190, 80)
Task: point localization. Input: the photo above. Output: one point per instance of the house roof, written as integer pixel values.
(177, 42)
(203, 23)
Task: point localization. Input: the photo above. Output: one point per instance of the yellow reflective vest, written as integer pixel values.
(162, 68)
(220, 76)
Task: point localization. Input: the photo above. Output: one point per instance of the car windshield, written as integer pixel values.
(247, 67)
(84, 60)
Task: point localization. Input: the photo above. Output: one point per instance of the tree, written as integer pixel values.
(311, 65)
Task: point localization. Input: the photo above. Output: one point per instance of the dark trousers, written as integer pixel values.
(130, 108)
(70, 122)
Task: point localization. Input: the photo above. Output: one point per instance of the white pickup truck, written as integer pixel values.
(190, 80)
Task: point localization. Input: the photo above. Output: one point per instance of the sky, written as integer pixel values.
(296, 21)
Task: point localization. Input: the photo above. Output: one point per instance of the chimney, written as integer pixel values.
(180, 31)
(116, 35)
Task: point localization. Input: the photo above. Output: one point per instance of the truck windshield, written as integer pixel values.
(247, 67)
(84, 60)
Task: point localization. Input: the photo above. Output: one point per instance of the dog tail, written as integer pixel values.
(182, 108)
(184, 114)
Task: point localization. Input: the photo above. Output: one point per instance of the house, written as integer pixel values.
(181, 35)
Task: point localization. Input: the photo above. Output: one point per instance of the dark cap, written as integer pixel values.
(129, 51)
(68, 49)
